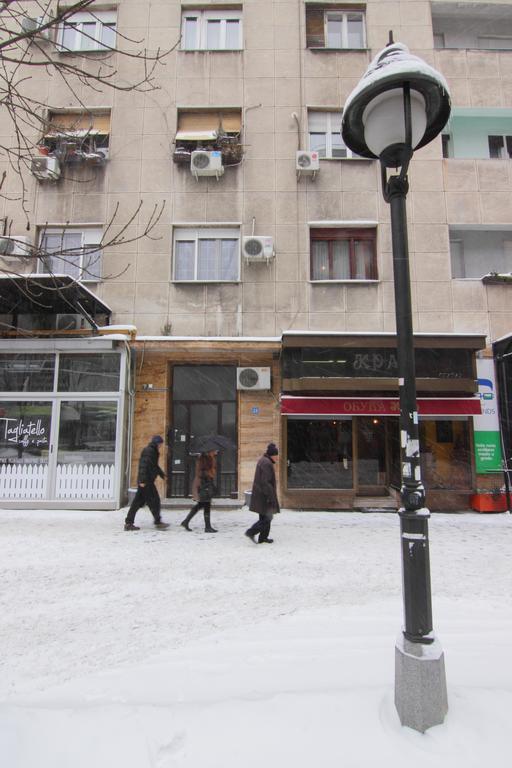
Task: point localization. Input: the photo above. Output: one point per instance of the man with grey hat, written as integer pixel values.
(264, 496)
(147, 493)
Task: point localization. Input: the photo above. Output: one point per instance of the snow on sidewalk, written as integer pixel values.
(186, 649)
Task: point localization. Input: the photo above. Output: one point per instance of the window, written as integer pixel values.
(500, 147)
(73, 252)
(88, 32)
(212, 30)
(475, 253)
(211, 130)
(325, 135)
(333, 26)
(77, 137)
(343, 254)
(479, 133)
(481, 26)
(206, 255)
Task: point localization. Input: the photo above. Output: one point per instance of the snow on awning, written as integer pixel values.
(377, 406)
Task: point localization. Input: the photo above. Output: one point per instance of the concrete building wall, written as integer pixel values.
(270, 80)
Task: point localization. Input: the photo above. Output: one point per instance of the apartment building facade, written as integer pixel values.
(261, 306)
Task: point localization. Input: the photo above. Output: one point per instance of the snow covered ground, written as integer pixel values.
(168, 649)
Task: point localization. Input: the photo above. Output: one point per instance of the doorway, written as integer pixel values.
(203, 403)
(372, 455)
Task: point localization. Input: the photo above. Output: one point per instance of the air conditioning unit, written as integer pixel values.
(203, 163)
(31, 25)
(68, 322)
(15, 247)
(253, 378)
(45, 168)
(307, 163)
(258, 248)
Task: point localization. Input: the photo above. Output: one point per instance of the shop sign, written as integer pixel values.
(33, 432)
(377, 406)
(487, 426)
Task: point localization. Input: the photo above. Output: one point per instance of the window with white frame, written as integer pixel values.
(206, 254)
(88, 31)
(212, 29)
(324, 129)
(71, 251)
(335, 26)
(475, 253)
(500, 147)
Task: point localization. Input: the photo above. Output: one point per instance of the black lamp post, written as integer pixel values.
(399, 105)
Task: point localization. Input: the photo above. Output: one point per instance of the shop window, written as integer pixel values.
(211, 29)
(324, 128)
(87, 435)
(77, 137)
(209, 130)
(445, 454)
(206, 254)
(87, 32)
(27, 372)
(343, 254)
(88, 373)
(481, 253)
(25, 428)
(71, 251)
(335, 26)
(319, 453)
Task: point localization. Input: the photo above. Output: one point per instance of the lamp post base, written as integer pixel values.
(421, 699)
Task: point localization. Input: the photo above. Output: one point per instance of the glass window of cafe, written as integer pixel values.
(35, 391)
(320, 452)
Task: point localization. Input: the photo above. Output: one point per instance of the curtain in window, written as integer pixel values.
(213, 34)
(334, 31)
(233, 33)
(363, 260)
(229, 259)
(355, 30)
(320, 260)
(69, 247)
(207, 267)
(184, 260)
(340, 260)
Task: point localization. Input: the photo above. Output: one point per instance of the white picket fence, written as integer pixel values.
(73, 481)
(85, 481)
(23, 481)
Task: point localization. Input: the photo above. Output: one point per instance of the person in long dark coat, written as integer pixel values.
(147, 493)
(264, 496)
(203, 488)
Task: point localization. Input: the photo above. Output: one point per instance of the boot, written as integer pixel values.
(131, 527)
(207, 525)
(188, 518)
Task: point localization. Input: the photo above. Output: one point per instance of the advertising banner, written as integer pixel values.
(487, 426)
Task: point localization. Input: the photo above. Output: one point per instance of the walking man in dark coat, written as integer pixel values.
(264, 496)
(147, 493)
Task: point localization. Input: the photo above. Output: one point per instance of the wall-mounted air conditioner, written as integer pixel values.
(258, 249)
(15, 247)
(203, 163)
(32, 25)
(307, 163)
(68, 322)
(45, 168)
(253, 378)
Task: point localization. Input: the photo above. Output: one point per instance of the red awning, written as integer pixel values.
(379, 406)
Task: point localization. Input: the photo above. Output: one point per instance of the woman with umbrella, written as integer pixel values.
(203, 488)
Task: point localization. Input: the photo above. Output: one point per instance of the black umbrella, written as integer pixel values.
(205, 443)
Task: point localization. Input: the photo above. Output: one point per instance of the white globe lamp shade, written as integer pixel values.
(384, 122)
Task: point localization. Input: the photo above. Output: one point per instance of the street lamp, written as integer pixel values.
(399, 105)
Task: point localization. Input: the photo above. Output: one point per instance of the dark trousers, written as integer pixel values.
(147, 495)
(205, 505)
(262, 526)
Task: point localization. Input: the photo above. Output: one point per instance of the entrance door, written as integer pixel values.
(204, 403)
(371, 456)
